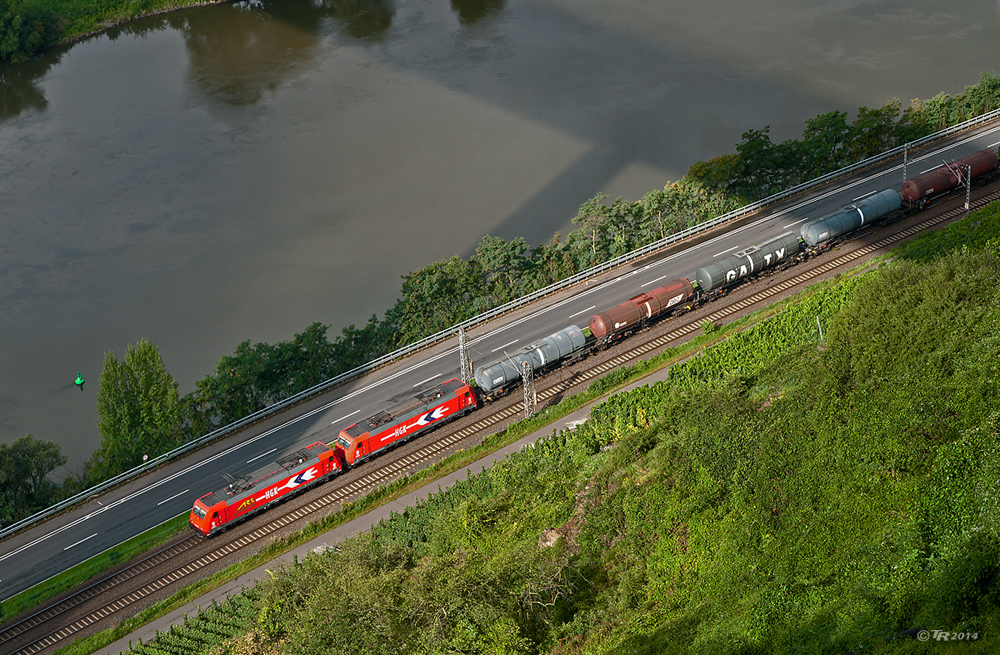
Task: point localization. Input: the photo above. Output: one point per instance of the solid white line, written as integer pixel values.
(343, 417)
(165, 480)
(582, 311)
(450, 352)
(80, 542)
(725, 251)
(994, 145)
(428, 379)
(505, 345)
(652, 281)
(261, 455)
(172, 497)
(863, 196)
(929, 170)
(795, 223)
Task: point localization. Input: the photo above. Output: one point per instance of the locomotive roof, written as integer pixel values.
(241, 488)
(406, 410)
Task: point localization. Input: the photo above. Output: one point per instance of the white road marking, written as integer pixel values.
(428, 379)
(994, 145)
(345, 417)
(929, 170)
(451, 352)
(795, 223)
(165, 480)
(871, 193)
(165, 500)
(582, 311)
(725, 251)
(652, 281)
(80, 542)
(261, 455)
(505, 345)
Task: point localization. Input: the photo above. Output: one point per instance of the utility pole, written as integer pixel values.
(968, 186)
(906, 147)
(463, 353)
(528, 375)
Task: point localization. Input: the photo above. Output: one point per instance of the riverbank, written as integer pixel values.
(30, 27)
(80, 29)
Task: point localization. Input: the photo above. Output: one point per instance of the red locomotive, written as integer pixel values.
(428, 409)
(243, 496)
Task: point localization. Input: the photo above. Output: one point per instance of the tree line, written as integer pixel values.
(136, 421)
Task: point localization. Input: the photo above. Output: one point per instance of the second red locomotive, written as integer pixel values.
(427, 410)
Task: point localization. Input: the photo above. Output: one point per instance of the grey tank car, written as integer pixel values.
(751, 260)
(494, 377)
(851, 217)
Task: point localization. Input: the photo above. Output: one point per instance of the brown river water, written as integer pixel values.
(239, 171)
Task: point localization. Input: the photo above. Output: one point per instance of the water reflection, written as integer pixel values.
(364, 19)
(239, 52)
(19, 90)
(471, 11)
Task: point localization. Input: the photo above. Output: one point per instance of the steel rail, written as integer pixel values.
(394, 468)
(491, 314)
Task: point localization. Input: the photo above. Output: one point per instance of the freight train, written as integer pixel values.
(378, 433)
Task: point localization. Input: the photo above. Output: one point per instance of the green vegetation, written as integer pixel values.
(139, 410)
(212, 626)
(601, 387)
(26, 27)
(449, 291)
(760, 167)
(24, 487)
(452, 290)
(770, 499)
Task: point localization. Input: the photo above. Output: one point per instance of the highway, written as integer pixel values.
(64, 541)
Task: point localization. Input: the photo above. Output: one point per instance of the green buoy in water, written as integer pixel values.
(79, 381)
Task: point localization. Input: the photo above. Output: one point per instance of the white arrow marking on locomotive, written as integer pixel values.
(430, 417)
(305, 476)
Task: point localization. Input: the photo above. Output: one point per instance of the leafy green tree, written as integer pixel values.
(26, 28)
(588, 243)
(139, 410)
(873, 130)
(24, 469)
(503, 264)
(758, 159)
(438, 296)
(826, 137)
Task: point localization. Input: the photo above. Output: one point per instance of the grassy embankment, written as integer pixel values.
(82, 17)
(777, 495)
(601, 387)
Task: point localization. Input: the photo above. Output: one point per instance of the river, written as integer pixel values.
(239, 171)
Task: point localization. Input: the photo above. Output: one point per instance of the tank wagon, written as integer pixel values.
(621, 319)
(751, 260)
(496, 378)
(267, 486)
(403, 422)
(948, 177)
(850, 218)
(316, 462)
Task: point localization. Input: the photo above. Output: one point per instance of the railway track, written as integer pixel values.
(54, 626)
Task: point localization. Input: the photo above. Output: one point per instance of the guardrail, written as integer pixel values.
(493, 313)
